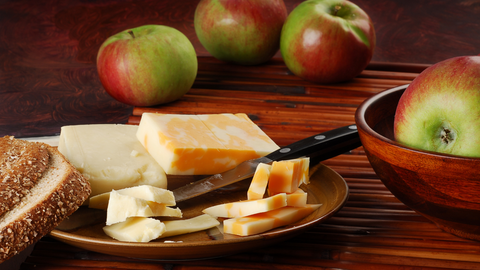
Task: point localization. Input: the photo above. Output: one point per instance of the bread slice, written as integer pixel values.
(58, 190)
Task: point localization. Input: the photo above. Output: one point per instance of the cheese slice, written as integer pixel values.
(120, 207)
(183, 226)
(145, 192)
(246, 208)
(110, 157)
(263, 222)
(287, 175)
(297, 199)
(136, 229)
(259, 183)
(202, 144)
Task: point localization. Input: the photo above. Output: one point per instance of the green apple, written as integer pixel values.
(440, 110)
(327, 41)
(147, 65)
(244, 32)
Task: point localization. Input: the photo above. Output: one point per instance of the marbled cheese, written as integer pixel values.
(263, 222)
(259, 183)
(287, 175)
(202, 144)
(297, 198)
(103, 154)
(246, 208)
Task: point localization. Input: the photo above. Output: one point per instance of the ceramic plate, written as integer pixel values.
(84, 228)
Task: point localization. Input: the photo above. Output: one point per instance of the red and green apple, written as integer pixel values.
(327, 41)
(244, 32)
(440, 110)
(147, 65)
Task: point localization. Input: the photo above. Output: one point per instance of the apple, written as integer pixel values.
(440, 110)
(327, 41)
(245, 32)
(147, 65)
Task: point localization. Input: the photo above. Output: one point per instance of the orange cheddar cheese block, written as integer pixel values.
(259, 183)
(262, 222)
(246, 208)
(287, 175)
(202, 144)
(297, 198)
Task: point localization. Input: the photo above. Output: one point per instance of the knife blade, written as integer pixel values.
(318, 147)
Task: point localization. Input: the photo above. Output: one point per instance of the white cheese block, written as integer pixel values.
(110, 157)
(245, 208)
(136, 229)
(202, 144)
(145, 192)
(183, 226)
(120, 207)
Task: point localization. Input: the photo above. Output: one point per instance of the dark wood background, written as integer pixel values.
(48, 48)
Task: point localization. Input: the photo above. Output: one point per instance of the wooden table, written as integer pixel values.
(373, 231)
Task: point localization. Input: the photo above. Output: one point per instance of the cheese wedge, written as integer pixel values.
(259, 183)
(297, 199)
(110, 157)
(120, 207)
(202, 144)
(145, 192)
(263, 222)
(183, 226)
(246, 208)
(287, 175)
(136, 229)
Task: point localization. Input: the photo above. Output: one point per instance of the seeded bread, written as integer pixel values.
(39, 188)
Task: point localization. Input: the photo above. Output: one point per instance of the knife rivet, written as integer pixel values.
(285, 150)
(320, 137)
(353, 127)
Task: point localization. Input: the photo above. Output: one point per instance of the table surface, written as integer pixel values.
(48, 79)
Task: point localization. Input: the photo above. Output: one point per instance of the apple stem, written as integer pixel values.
(337, 8)
(131, 33)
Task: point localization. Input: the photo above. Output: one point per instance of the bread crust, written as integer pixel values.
(58, 192)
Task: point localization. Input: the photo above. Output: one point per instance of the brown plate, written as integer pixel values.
(326, 187)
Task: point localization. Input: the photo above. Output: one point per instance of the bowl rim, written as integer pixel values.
(362, 125)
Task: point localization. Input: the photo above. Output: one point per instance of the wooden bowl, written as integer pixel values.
(443, 188)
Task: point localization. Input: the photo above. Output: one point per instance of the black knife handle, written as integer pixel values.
(321, 146)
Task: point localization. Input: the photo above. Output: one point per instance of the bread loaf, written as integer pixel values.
(39, 188)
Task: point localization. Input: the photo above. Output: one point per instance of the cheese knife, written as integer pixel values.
(318, 147)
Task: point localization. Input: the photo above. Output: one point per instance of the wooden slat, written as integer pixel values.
(374, 230)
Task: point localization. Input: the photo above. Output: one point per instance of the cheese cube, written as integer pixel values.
(103, 154)
(120, 207)
(202, 144)
(259, 183)
(263, 222)
(183, 226)
(146, 192)
(297, 199)
(287, 175)
(136, 229)
(245, 208)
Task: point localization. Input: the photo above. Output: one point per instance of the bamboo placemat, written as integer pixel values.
(373, 231)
